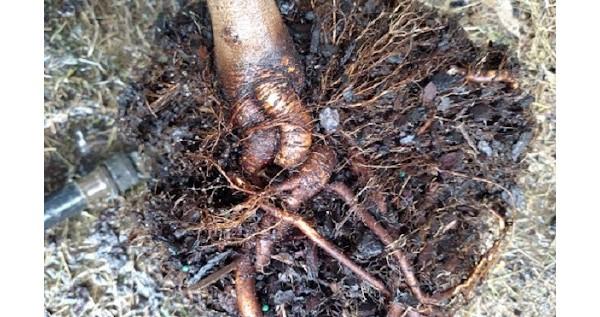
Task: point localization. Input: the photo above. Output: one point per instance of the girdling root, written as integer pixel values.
(260, 75)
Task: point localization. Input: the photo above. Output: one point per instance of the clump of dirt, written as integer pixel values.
(440, 152)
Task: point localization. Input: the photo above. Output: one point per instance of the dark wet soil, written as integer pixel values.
(442, 154)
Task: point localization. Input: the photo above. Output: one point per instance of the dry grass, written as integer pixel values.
(91, 49)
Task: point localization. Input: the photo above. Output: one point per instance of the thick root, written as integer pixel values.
(245, 289)
(311, 178)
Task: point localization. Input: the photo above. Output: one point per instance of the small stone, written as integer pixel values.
(526, 102)
(458, 3)
(429, 92)
(369, 247)
(482, 112)
(444, 104)
(83, 145)
(286, 7)
(67, 9)
(516, 197)
(283, 297)
(348, 95)
(409, 139)
(329, 120)
(185, 268)
(70, 60)
(371, 6)
(163, 59)
(405, 297)
(179, 233)
(521, 145)
(451, 160)
(484, 147)
(443, 80)
(395, 59)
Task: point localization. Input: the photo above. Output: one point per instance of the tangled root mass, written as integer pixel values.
(431, 154)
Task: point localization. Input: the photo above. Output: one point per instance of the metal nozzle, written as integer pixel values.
(115, 176)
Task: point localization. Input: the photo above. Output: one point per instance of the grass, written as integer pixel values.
(92, 48)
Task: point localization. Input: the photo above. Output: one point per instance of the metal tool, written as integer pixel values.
(112, 178)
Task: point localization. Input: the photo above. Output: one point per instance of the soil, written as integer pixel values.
(441, 152)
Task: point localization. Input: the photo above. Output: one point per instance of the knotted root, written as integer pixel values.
(260, 74)
(281, 102)
(259, 147)
(312, 176)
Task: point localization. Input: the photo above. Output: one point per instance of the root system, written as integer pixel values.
(431, 133)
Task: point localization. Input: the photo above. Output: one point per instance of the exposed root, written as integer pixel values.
(481, 269)
(486, 76)
(396, 309)
(487, 261)
(215, 276)
(327, 246)
(346, 194)
(311, 178)
(264, 244)
(264, 248)
(245, 288)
